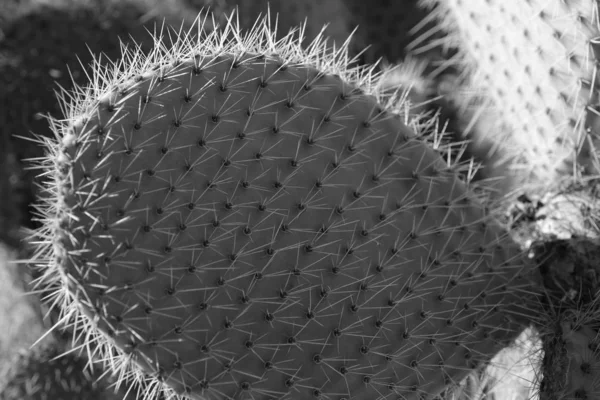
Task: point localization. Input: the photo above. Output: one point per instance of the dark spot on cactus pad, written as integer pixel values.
(150, 267)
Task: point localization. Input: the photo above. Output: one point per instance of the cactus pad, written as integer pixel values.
(535, 64)
(232, 216)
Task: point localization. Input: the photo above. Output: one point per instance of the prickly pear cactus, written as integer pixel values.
(584, 362)
(572, 362)
(534, 64)
(569, 270)
(232, 216)
(47, 373)
(383, 27)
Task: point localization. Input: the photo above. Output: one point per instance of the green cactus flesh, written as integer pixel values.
(237, 218)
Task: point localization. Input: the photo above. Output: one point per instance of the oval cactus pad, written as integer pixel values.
(235, 217)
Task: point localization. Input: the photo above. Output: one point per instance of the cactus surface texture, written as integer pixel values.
(534, 64)
(571, 363)
(583, 354)
(233, 216)
(47, 373)
(569, 269)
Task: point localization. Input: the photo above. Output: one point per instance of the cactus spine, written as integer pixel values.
(583, 354)
(316, 14)
(533, 62)
(234, 216)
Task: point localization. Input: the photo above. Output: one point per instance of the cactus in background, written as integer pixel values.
(52, 373)
(529, 69)
(572, 360)
(583, 360)
(21, 315)
(234, 216)
(569, 269)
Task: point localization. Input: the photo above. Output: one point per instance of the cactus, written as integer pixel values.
(40, 48)
(52, 373)
(235, 216)
(386, 26)
(569, 270)
(584, 362)
(317, 15)
(21, 315)
(529, 69)
(572, 361)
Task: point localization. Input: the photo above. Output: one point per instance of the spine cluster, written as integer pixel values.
(234, 215)
(528, 82)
